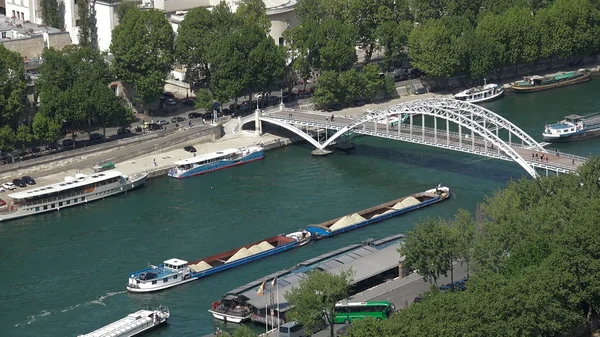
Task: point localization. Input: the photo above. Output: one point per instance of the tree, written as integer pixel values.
(329, 89)
(143, 48)
(431, 248)
(438, 47)
(368, 327)
(266, 64)
(46, 128)
(106, 107)
(7, 139)
(85, 29)
(353, 83)
(254, 12)
(241, 331)
(315, 298)
(464, 226)
(194, 38)
(123, 7)
(336, 45)
(24, 135)
(393, 38)
(12, 86)
(204, 99)
(50, 13)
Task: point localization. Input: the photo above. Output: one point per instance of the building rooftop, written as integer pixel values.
(11, 29)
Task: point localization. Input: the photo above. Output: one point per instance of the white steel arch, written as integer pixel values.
(292, 128)
(479, 120)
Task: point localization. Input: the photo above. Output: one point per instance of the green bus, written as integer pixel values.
(347, 312)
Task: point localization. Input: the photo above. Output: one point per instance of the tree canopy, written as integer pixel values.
(314, 299)
(142, 45)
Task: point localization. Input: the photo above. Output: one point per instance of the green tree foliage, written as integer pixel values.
(12, 87)
(73, 87)
(439, 47)
(368, 327)
(254, 12)
(431, 248)
(143, 48)
(50, 13)
(7, 138)
(125, 6)
(315, 297)
(204, 99)
(85, 22)
(195, 35)
(23, 135)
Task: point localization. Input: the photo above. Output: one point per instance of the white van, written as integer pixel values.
(291, 329)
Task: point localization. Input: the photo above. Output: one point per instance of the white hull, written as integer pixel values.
(483, 95)
(159, 287)
(57, 204)
(133, 324)
(228, 318)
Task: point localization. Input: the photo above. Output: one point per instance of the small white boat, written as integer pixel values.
(216, 161)
(133, 324)
(485, 93)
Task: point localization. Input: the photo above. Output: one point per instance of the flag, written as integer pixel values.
(274, 282)
(261, 289)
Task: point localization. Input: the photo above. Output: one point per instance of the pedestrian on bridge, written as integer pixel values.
(573, 161)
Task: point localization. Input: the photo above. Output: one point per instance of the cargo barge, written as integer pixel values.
(561, 79)
(379, 213)
(174, 272)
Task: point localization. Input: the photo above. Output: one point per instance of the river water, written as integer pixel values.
(65, 273)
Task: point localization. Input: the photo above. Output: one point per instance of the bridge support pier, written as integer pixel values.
(257, 122)
(321, 152)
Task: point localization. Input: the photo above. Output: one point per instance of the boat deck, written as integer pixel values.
(160, 272)
(128, 323)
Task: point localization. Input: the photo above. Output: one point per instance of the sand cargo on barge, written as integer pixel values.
(379, 213)
(174, 272)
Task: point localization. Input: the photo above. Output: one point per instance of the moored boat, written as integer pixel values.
(219, 160)
(560, 79)
(133, 324)
(72, 191)
(573, 127)
(485, 93)
(174, 272)
(379, 213)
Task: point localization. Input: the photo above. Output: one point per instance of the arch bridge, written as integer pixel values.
(475, 130)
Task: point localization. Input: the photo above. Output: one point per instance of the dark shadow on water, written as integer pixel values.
(469, 165)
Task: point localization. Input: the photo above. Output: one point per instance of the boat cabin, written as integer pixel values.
(175, 264)
(188, 163)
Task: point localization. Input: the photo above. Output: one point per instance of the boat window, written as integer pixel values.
(165, 280)
(60, 204)
(175, 277)
(68, 202)
(154, 282)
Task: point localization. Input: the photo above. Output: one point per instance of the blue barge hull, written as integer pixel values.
(375, 215)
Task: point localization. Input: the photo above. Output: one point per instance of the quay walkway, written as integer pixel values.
(480, 131)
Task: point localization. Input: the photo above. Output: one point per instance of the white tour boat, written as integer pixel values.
(171, 273)
(216, 161)
(133, 324)
(485, 93)
(72, 191)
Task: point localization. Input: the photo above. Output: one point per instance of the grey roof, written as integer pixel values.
(365, 262)
(574, 117)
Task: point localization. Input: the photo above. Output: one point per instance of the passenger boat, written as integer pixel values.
(133, 324)
(485, 93)
(72, 191)
(379, 213)
(573, 127)
(561, 79)
(175, 272)
(216, 161)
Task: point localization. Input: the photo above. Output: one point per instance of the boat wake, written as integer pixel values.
(100, 300)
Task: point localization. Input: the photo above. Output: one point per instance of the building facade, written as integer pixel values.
(23, 10)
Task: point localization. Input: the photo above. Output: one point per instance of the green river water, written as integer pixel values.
(65, 273)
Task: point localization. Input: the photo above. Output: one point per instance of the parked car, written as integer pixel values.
(2, 202)
(193, 115)
(19, 183)
(162, 122)
(154, 126)
(28, 180)
(188, 101)
(67, 143)
(177, 119)
(171, 102)
(9, 186)
(123, 131)
(96, 137)
(190, 148)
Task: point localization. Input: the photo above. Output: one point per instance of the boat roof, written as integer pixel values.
(175, 262)
(114, 328)
(205, 157)
(68, 184)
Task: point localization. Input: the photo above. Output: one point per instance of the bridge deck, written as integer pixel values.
(558, 162)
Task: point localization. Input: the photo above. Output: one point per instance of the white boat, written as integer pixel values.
(169, 274)
(219, 160)
(133, 324)
(485, 93)
(72, 191)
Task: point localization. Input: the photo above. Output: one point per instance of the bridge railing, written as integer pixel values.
(556, 152)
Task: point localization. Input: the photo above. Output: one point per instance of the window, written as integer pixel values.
(14, 14)
(45, 207)
(68, 202)
(60, 204)
(37, 209)
(154, 282)
(4, 35)
(53, 205)
(22, 16)
(76, 23)
(165, 280)
(281, 41)
(175, 277)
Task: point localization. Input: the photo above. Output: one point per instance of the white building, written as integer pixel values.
(25, 10)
